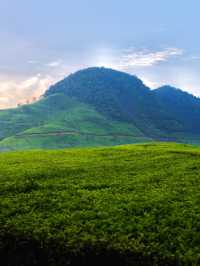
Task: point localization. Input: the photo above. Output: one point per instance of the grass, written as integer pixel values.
(125, 205)
(60, 113)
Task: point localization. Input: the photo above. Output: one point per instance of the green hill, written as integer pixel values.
(99, 106)
(59, 121)
(125, 205)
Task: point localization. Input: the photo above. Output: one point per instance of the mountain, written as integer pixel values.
(182, 106)
(100, 106)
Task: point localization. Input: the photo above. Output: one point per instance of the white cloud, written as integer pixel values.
(32, 62)
(54, 63)
(132, 58)
(15, 89)
(18, 92)
(147, 58)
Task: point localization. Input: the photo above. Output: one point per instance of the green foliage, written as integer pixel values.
(61, 114)
(116, 95)
(98, 103)
(160, 114)
(138, 205)
(183, 106)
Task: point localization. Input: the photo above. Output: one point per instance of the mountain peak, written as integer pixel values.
(103, 106)
(170, 91)
(95, 78)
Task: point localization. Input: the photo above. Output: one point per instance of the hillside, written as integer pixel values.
(126, 205)
(117, 95)
(59, 121)
(184, 107)
(99, 106)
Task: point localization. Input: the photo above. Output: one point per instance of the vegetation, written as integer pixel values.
(97, 103)
(62, 115)
(125, 205)
(158, 114)
(183, 106)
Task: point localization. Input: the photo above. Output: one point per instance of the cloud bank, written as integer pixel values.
(146, 58)
(17, 92)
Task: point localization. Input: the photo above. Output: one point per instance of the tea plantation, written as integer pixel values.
(125, 205)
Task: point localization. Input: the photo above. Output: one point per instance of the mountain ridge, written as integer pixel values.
(102, 102)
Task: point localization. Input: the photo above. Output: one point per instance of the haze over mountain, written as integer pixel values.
(100, 106)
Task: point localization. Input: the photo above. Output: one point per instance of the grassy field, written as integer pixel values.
(125, 205)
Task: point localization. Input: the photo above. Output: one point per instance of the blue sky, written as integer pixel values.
(44, 41)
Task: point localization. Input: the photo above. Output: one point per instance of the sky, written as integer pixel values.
(42, 42)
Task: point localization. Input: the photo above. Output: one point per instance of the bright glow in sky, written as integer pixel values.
(44, 41)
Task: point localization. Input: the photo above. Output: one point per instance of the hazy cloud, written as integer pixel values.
(32, 62)
(18, 92)
(54, 63)
(134, 58)
(146, 58)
